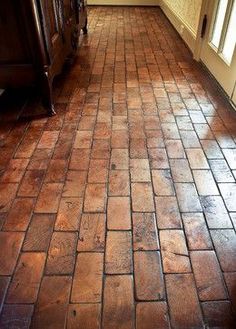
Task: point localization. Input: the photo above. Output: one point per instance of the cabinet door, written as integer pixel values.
(54, 24)
(71, 30)
(69, 8)
(14, 35)
(82, 13)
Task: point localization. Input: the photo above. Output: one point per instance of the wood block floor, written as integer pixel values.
(120, 211)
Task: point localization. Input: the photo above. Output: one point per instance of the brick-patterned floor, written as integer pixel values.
(120, 212)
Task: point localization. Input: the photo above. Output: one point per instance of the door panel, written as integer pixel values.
(234, 95)
(53, 22)
(218, 48)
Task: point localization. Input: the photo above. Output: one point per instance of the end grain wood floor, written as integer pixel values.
(120, 211)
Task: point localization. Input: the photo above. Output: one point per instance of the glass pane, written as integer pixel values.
(219, 21)
(230, 38)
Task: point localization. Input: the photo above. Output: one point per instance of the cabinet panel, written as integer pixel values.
(39, 36)
(52, 15)
(53, 22)
(69, 8)
(14, 34)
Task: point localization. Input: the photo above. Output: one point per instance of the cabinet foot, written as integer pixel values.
(51, 111)
(47, 95)
(85, 28)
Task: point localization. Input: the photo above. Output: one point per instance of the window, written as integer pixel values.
(230, 38)
(219, 22)
(223, 37)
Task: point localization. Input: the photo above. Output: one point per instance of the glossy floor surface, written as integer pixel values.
(120, 211)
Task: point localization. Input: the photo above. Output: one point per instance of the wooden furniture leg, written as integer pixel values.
(47, 95)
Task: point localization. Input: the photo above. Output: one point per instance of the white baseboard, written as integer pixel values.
(124, 2)
(185, 31)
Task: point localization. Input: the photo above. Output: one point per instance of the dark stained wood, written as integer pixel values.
(39, 35)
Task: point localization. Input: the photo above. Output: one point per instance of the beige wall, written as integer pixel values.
(187, 10)
(184, 15)
(124, 2)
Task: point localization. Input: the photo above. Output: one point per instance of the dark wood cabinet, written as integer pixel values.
(36, 38)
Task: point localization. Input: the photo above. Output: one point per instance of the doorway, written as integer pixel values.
(218, 51)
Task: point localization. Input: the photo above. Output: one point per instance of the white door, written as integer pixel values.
(218, 51)
(234, 95)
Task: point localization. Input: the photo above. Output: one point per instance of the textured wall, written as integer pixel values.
(124, 2)
(187, 10)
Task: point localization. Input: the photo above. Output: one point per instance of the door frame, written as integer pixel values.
(199, 43)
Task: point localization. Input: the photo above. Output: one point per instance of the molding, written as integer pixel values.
(123, 2)
(185, 31)
(219, 86)
(199, 40)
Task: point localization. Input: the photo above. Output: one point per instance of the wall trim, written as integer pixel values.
(186, 32)
(123, 3)
(218, 85)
